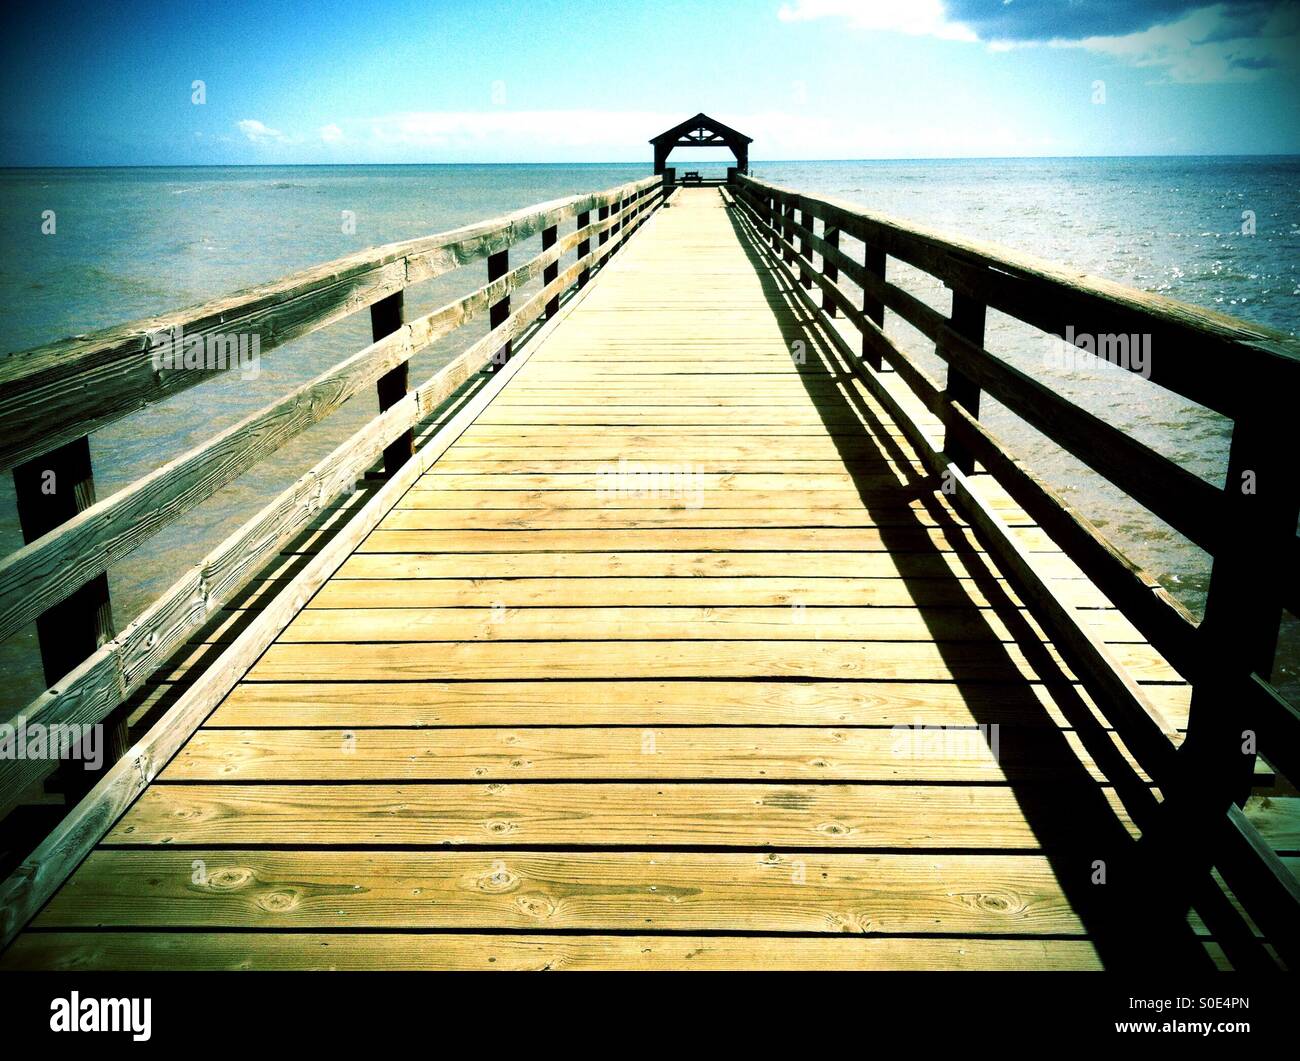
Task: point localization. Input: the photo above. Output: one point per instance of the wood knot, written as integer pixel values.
(277, 902)
(229, 878)
(536, 906)
(998, 904)
(498, 880)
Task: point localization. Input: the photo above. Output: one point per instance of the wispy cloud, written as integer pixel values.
(260, 133)
(331, 133)
(540, 129)
(1188, 41)
(918, 18)
(1211, 44)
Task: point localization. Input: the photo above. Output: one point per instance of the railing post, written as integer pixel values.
(603, 215)
(1237, 637)
(50, 490)
(873, 307)
(625, 224)
(787, 212)
(805, 247)
(1244, 604)
(831, 236)
(584, 248)
(773, 223)
(498, 266)
(967, 320)
(551, 272)
(387, 316)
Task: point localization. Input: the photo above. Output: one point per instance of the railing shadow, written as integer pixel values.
(1068, 811)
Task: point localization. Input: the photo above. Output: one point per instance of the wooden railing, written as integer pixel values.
(1249, 374)
(53, 396)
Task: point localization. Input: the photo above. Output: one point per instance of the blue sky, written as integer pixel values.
(341, 81)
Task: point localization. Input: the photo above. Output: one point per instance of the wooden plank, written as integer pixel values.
(410, 787)
(820, 894)
(698, 518)
(122, 665)
(756, 591)
(686, 540)
(1107, 675)
(965, 817)
(35, 879)
(927, 564)
(503, 620)
(487, 500)
(449, 952)
(892, 661)
(910, 754)
(657, 703)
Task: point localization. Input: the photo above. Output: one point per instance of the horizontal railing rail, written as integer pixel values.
(1248, 525)
(55, 393)
(112, 373)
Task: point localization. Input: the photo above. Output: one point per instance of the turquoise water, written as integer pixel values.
(134, 242)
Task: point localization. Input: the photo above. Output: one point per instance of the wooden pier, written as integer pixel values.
(701, 631)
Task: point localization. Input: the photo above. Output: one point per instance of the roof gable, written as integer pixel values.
(701, 121)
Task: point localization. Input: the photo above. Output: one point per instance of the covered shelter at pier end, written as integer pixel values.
(701, 131)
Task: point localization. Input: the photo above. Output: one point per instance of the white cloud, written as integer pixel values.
(917, 18)
(331, 133)
(258, 133)
(557, 128)
(1215, 42)
(1204, 46)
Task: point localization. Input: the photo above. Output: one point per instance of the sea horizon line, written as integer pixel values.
(9, 167)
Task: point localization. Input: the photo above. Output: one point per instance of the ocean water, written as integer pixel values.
(134, 242)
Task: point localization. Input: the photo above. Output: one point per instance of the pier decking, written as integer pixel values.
(639, 674)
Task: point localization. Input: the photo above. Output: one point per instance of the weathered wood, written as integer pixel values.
(1195, 342)
(1151, 608)
(497, 266)
(1173, 493)
(819, 894)
(968, 321)
(632, 702)
(91, 690)
(459, 952)
(584, 247)
(100, 679)
(1238, 639)
(549, 237)
(387, 316)
(54, 394)
(513, 588)
(51, 491)
(37, 576)
(1105, 675)
(805, 249)
(682, 814)
(831, 236)
(567, 753)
